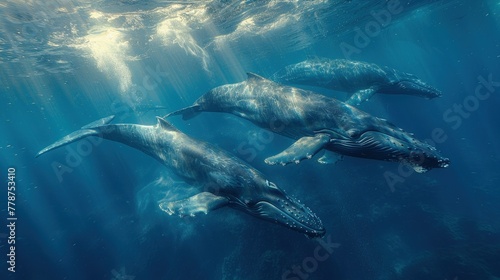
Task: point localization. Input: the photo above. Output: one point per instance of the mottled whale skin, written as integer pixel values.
(222, 179)
(317, 122)
(361, 79)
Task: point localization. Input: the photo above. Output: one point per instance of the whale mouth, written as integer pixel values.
(291, 214)
(377, 145)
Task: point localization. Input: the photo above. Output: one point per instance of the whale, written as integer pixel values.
(360, 79)
(220, 178)
(317, 123)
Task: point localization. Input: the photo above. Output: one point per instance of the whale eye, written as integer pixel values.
(353, 133)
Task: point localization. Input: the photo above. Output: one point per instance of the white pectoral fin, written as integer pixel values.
(330, 158)
(199, 203)
(304, 148)
(360, 96)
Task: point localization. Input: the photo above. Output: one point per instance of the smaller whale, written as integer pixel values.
(361, 79)
(316, 122)
(220, 178)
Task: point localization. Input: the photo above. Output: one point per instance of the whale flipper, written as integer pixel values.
(330, 158)
(305, 148)
(360, 96)
(199, 203)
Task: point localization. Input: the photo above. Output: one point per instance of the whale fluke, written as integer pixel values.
(85, 131)
(187, 113)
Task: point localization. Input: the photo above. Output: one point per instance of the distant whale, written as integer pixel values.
(317, 122)
(359, 78)
(222, 179)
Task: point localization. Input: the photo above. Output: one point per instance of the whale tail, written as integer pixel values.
(87, 130)
(187, 113)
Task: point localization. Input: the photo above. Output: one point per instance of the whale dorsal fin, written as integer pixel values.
(166, 125)
(253, 76)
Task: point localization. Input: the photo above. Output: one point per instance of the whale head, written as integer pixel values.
(268, 202)
(395, 146)
(405, 83)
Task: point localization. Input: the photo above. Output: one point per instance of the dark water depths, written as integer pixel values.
(64, 64)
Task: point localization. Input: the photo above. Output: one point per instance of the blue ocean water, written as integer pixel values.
(90, 210)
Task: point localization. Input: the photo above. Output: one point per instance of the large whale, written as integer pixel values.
(361, 79)
(222, 179)
(317, 122)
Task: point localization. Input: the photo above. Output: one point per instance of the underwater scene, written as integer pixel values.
(252, 140)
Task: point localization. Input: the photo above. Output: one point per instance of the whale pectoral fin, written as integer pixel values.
(196, 204)
(360, 96)
(330, 158)
(304, 148)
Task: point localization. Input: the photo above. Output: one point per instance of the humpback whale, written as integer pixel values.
(361, 79)
(220, 178)
(317, 122)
